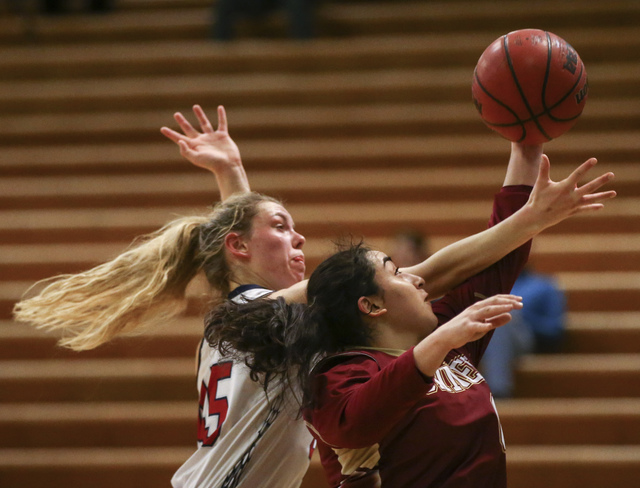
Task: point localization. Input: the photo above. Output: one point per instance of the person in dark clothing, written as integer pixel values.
(228, 12)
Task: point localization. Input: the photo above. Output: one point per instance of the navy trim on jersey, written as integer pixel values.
(241, 289)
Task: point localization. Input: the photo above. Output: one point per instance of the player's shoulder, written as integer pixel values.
(352, 360)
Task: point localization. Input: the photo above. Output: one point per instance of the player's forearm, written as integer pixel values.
(513, 227)
(294, 294)
(459, 261)
(524, 164)
(232, 179)
(430, 353)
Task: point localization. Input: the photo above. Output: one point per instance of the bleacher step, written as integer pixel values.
(97, 380)
(579, 375)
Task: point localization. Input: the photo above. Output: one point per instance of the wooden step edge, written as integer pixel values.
(513, 409)
(581, 363)
(386, 11)
(119, 368)
(584, 281)
(94, 457)
(568, 407)
(98, 411)
(603, 321)
(176, 328)
(572, 455)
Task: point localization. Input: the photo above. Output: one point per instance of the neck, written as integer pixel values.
(242, 276)
(385, 337)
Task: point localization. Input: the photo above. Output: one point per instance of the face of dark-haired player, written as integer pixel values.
(402, 296)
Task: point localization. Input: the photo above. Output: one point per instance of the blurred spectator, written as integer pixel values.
(538, 328)
(228, 12)
(53, 7)
(408, 248)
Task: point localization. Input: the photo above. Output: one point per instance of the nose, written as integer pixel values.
(298, 240)
(416, 280)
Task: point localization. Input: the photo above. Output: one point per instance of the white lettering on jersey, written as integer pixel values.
(456, 376)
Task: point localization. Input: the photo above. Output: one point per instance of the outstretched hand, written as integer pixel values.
(210, 149)
(478, 319)
(470, 325)
(555, 201)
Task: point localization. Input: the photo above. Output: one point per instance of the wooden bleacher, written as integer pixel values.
(369, 129)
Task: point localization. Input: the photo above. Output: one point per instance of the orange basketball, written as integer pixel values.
(530, 86)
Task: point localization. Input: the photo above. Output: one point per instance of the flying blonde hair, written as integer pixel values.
(145, 285)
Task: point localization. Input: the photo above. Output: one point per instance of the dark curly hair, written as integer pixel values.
(281, 342)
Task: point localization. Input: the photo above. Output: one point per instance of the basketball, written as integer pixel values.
(530, 86)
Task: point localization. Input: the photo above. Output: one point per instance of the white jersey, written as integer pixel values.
(242, 440)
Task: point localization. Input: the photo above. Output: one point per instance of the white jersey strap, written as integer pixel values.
(244, 294)
(233, 477)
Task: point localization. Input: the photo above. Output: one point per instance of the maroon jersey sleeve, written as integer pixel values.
(496, 279)
(357, 401)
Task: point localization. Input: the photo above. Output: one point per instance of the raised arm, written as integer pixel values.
(210, 149)
(550, 203)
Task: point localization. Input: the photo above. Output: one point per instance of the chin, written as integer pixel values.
(431, 324)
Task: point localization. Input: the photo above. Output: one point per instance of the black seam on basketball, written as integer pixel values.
(555, 119)
(515, 80)
(569, 93)
(517, 122)
(546, 74)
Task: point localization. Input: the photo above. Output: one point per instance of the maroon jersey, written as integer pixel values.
(374, 411)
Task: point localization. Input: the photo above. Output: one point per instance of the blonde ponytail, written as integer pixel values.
(142, 286)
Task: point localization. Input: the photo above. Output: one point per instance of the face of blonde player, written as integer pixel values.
(275, 248)
(404, 298)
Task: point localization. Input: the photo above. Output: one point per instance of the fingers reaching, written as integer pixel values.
(499, 320)
(581, 171)
(205, 125)
(544, 171)
(594, 184)
(172, 134)
(589, 200)
(184, 124)
(189, 132)
(222, 119)
(497, 306)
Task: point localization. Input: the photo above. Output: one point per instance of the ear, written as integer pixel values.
(368, 306)
(236, 245)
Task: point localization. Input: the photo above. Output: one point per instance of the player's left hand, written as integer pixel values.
(555, 201)
(210, 149)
